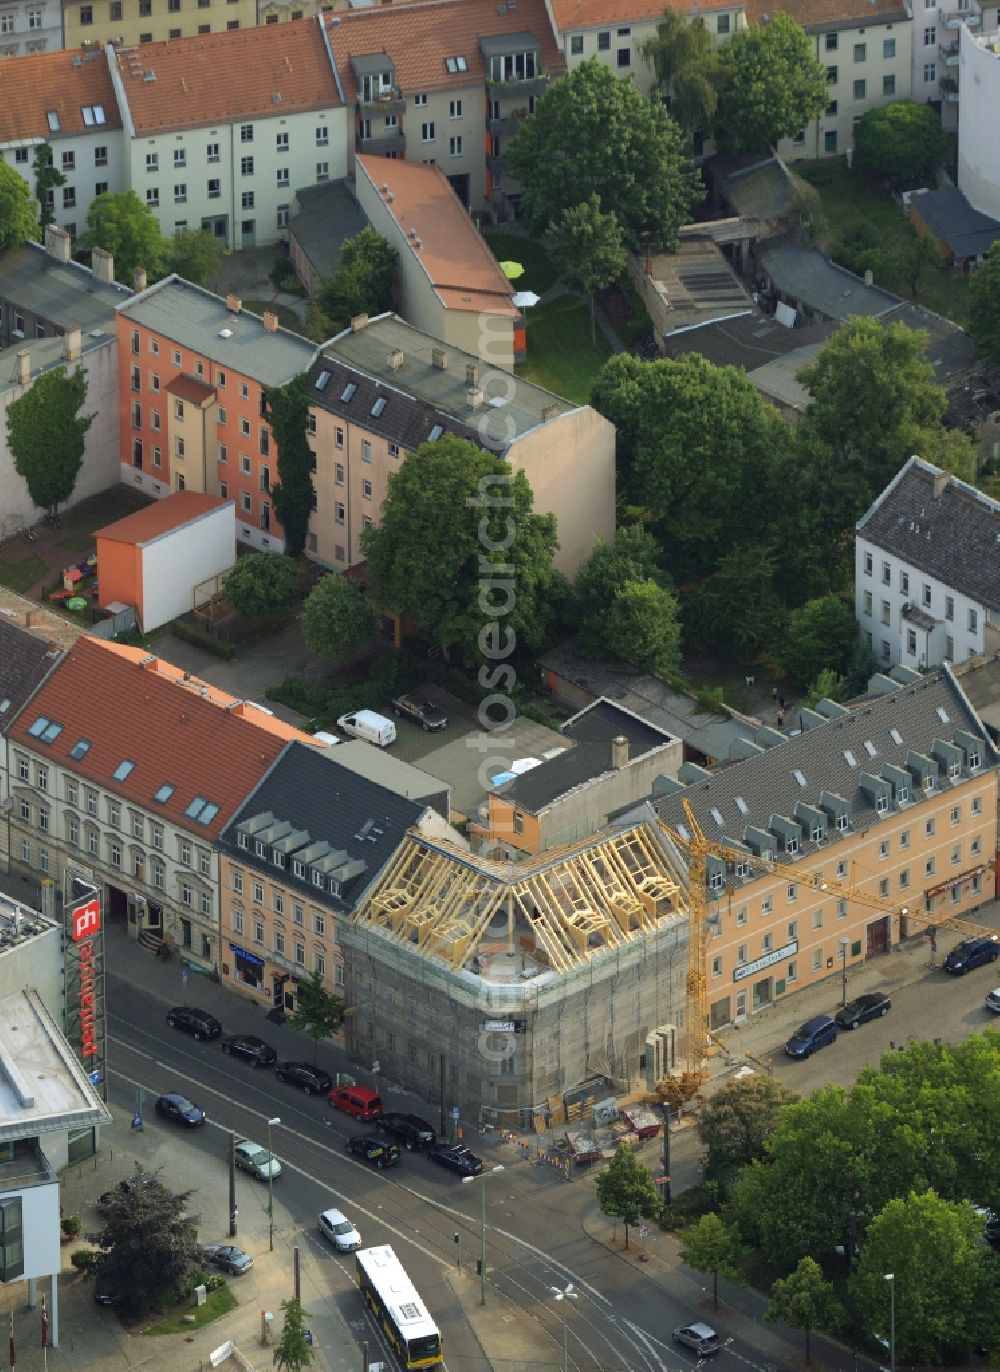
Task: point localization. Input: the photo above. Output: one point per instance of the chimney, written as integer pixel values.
(58, 243)
(359, 322)
(23, 367)
(72, 343)
(549, 412)
(474, 396)
(471, 374)
(270, 321)
(233, 304)
(439, 358)
(139, 279)
(619, 752)
(103, 265)
(941, 482)
(395, 359)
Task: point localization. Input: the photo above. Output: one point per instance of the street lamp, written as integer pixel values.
(564, 1294)
(270, 1186)
(843, 965)
(482, 1260)
(890, 1277)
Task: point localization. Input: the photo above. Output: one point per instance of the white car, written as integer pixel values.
(993, 1000)
(337, 1229)
(252, 1158)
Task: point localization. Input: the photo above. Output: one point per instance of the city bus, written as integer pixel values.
(393, 1300)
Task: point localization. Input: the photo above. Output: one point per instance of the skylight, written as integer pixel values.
(435, 433)
(742, 806)
(93, 114)
(39, 727)
(455, 64)
(320, 383)
(870, 748)
(849, 758)
(53, 117)
(164, 793)
(799, 777)
(52, 733)
(942, 714)
(123, 769)
(347, 394)
(4, 705)
(208, 814)
(80, 749)
(717, 816)
(379, 405)
(195, 808)
(896, 737)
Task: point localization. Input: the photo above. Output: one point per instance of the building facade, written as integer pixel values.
(979, 85)
(29, 26)
(937, 32)
(90, 24)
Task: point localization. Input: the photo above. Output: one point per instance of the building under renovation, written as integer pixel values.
(507, 989)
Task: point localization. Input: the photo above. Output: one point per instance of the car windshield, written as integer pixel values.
(182, 1104)
(255, 1153)
(343, 1227)
(802, 1035)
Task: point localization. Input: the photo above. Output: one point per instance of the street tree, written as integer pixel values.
(460, 549)
(642, 627)
(984, 303)
(47, 435)
(121, 224)
(262, 584)
(195, 254)
(317, 1012)
(771, 86)
(18, 212)
(821, 633)
(737, 1122)
(712, 1245)
(633, 556)
(48, 178)
(362, 283)
(828, 685)
(805, 1300)
(592, 133)
(293, 495)
(149, 1243)
(336, 622)
(293, 1352)
(586, 246)
(686, 64)
(626, 1190)
(900, 141)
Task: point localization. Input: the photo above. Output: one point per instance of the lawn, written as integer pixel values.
(22, 574)
(539, 273)
(95, 512)
(849, 197)
(217, 1303)
(82, 542)
(561, 356)
(287, 319)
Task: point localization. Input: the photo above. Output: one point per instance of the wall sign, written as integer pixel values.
(86, 1020)
(748, 969)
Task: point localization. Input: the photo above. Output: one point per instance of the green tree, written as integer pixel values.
(293, 1352)
(47, 178)
(288, 414)
(122, 225)
(771, 86)
(642, 627)
(736, 1123)
(47, 434)
(828, 685)
(901, 140)
(460, 550)
(317, 1012)
(984, 303)
(362, 283)
(586, 247)
(712, 1245)
(738, 605)
(149, 1243)
(821, 633)
(805, 1300)
(593, 133)
(18, 223)
(195, 254)
(686, 64)
(618, 393)
(336, 621)
(634, 556)
(262, 584)
(626, 1190)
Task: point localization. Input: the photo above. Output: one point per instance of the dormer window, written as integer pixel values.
(318, 879)
(902, 794)
(882, 804)
(243, 841)
(259, 848)
(716, 881)
(791, 845)
(843, 823)
(513, 66)
(298, 870)
(973, 761)
(279, 858)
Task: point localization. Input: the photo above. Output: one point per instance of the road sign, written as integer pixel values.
(455, 1112)
(643, 1231)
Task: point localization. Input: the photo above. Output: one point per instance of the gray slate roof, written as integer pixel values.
(950, 217)
(751, 792)
(25, 661)
(809, 277)
(379, 765)
(764, 190)
(955, 538)
(750, 341)
(329, 214)
(63, 292)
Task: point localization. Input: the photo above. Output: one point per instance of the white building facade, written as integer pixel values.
(979, 87)
(937, 33)
(30, 26)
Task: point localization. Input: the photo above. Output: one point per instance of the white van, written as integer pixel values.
(366, 724)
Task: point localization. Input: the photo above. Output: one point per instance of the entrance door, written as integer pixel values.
(278, 991)
(218, 225)
(762, 993)
(878, 936)
(248, 233)
(154, 916)
(741, 1005)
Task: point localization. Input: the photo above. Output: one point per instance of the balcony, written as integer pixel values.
(509, 122)
(384, 102)
(497, 162)
(949, 89)
(948, 52)
(384, 142)
(970, 17)
(28, 1167)
(522, 87)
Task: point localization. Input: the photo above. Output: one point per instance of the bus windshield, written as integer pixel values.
(429, 1346)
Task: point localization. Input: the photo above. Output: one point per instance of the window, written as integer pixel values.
(214, 189)
(817, 959)
(180, 193)
(831, 76)
(883, 849)
(886, 612)
(859, 90)
(246, 133)
(929, 828)
(258, 931)
(455, 146)
(930, 72)
(300, 954)
(860, 52)
(454, 109)
(282, 176)
(930, 36)
(911, 642)
(722, 24)
(11, 1237)
(888, 48)
(246, 502)
(973, 621)
(604, 41)
(427, 134)
(830, 141)
(42, 779)
(792, 894)
(716, 967)
(956, 853)
(86, 16)
(868, 564)
(247, 200)
(367, 490)
(830, 41)
(904, 879)
(976, 805)
(322, 138)
(623, 58)
(322, 171)
(904, 582)
(767, 905)
(929, 867)
(956, 815)
(842, 908)
(246, 166)
(339, 512)
(419, 100)
(888, 85)
(868, 604)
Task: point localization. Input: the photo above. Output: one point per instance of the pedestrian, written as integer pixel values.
(781, 718)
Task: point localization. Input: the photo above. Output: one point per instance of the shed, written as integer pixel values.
(155, 558)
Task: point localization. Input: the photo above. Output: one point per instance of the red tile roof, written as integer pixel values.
(159, 518)
(167, 729)
(44, 81)
(419, 37)
(223, 77)
(572, 15)
(190, 388)
(819, 15)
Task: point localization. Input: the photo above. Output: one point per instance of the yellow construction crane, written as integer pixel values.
(699, 847)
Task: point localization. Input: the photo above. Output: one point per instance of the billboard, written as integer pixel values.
(86, 1017)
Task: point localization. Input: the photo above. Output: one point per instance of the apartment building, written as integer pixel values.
(91, 24)
(382, 388)
(28, 26)
(895, 798)
(979, 83)
(927, 569)
(221, 129)
(63, 105)
(937, 31)
(194, 372)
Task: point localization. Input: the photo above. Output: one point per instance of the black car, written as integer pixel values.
(194, 1021)
(411, 1130)
(373, 1150)
(420, 711)
(971, 953)
(457, 1158)
(108, 1294)
(860, 1011)
(312, 1080)
(249, 1048)
(178, 1108)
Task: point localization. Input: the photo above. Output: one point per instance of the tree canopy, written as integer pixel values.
(902, 140)
(262, 584)
(642, 627)
(336, 621)
(632, 557)
(195, 254)
(586, 246)
(713, 1246)
(122, 225)
(686, 64)
(592, 133)
(626, 1190)
(772, 85)
(736, 1123)
(984, 304)
(362, 283)
(820, 634)
(293, 494)
(805, 1300)
(317, 1012)
(293, 1352)
(48, 179)
(149, 1243)
(47, 434)
(18, 211)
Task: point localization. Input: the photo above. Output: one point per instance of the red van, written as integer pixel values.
(359, 1101)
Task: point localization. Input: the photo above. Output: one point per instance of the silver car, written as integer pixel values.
(702, 1338)
(230, 1259)
(252, 1158)
(337, 1229)
(993, 1000)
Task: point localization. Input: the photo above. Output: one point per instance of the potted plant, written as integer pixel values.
(72, 1228)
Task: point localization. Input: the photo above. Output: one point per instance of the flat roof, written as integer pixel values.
(63, 292)
(698, 285)
(44, 354)
(43, 1087)
(328, 215)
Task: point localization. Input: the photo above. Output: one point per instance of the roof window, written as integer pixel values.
(123, 769)
(741, 805)
(50, 734)
(39, 726)
(80, 749)
(942, 714)
(196, 807)
(164, 793)
(849, 758)
(896, 737)
(717, 816)
(379, 405)
(455, 64)
(320, 383)
(799, 777)
(870, 748)
(347, 394)
(93, 114)
(53, 117)
(435, 433)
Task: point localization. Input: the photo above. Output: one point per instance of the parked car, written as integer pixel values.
(193, 1021)
(249, 1048)
(230, 1259)
(337, 1229)
(106, 1293)
(174, 1106)
(312, 1080)
(700, 1338)
(373, 1150)
(860, 1011)
(456, 1158)
(372, 727)
(252, 1158)
(993, 1000)
(972, 953)
(359, 1101)
(815, 1033)
(410, 1130)
(420, 711)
